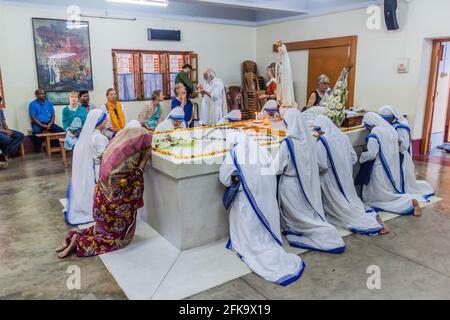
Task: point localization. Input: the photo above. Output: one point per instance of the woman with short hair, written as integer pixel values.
(323, 86)
(182, 100)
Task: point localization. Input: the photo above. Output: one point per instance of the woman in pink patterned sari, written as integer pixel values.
(118, 196)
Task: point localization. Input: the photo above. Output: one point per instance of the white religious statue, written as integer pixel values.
(214, 104)
(285, 84)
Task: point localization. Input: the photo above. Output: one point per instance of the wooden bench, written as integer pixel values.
(48, 137)
(63, 152)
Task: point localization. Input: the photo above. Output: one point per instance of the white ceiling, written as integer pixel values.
(242, 12)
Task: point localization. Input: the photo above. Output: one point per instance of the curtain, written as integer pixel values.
(152, 82)
(172, 84)
(126, 87)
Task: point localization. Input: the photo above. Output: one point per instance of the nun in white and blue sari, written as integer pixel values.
(420, 190)
(174, 120)
(255, 216)
(303, 218)
(85, 169)
(232, 116)
(341, 203)
(383, 191)
(270, 109)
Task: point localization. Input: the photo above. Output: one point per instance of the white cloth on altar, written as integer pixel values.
(384, 189)
(341, 203)
(82, 184)
(418, 189)
(255, 216)
(303, 217)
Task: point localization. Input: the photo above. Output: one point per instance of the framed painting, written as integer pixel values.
(58, 97)
(63, 55)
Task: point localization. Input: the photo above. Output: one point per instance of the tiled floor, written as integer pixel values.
(414, 259)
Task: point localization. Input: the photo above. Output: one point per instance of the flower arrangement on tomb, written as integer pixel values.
(169, 141)
(338, 99)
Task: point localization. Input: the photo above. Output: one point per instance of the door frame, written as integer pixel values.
(350, 41)
(436, 57)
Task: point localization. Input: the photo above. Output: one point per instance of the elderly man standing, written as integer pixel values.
(214, 105)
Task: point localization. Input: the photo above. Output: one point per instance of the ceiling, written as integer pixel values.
(241, 12)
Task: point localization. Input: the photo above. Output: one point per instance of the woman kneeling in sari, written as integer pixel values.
(118, 196)
(383, 191)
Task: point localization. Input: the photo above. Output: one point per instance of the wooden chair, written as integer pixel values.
(47, 143)
(249, 66)
(236, 101)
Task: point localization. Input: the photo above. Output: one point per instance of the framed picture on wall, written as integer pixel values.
(58, 98)
(63, 55)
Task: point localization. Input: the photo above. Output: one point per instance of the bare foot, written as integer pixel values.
(385, 230)
(417, 208)
(71, 247)
(62, 246)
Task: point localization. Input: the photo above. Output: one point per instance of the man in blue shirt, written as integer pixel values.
(42, 115)
(182, 100)
(10, 140)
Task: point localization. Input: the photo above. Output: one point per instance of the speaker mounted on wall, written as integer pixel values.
(165, 35)
(390, 14)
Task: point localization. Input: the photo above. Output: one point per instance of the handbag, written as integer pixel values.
(230, 192)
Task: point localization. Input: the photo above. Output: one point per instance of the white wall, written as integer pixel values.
(377, 80)
(222, 47)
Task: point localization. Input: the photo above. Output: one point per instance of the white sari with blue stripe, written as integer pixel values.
(384, 191)
(254, 215)
(418, 189)
(341, 203)
(303, 217)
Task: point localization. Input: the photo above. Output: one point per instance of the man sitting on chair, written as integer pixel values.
(10, 140)
(42, 115)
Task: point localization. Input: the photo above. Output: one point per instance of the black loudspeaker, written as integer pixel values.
(390, 14)
(168, 35)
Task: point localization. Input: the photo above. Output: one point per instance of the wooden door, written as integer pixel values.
(329, 61)
(447, 121)
(1, 88)
(436, 56)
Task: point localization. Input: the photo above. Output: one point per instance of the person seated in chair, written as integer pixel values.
(10, 140)
(42, 115)
(85, 100)
(271, 86)
(73, 118)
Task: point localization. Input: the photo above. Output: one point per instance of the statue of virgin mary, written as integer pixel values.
(285, 84)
